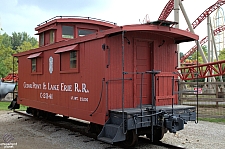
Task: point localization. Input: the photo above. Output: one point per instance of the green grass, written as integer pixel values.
(214, 120)
(4, 106)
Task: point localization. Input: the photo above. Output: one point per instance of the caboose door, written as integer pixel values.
(143, 61)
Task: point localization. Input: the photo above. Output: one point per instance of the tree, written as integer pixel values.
(181, 54)
(10, 45)
(17, 39)
(200, 59)
(6, 60)
(25, 46)
(222, 55)
(6, 40)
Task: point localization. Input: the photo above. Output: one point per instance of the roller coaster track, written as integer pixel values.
(203, 41)
(166, 10)
(207, 12)
(170, 5)
(202, 71)
(202, 17)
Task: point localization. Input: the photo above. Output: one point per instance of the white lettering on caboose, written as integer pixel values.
(31, 85)
(36, 86)
(83, 88)
(26, 85)
(46, 86)
(53, 87)
(66, 88)
(76, 87)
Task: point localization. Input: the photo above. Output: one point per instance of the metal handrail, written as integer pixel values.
(77, 17)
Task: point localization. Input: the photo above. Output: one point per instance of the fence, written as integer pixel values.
(209, 96)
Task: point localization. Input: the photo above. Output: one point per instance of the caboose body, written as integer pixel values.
(118, 77)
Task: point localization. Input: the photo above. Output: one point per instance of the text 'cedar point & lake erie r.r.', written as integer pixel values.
(62, 87)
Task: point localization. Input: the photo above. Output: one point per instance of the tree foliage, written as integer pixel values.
(198, 56)
(222, 55)
(181, 54)
(17, 39)
(9, 45)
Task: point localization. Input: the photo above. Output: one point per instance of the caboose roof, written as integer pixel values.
(49, 24)
(177, 35)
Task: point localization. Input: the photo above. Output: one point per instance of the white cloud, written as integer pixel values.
(8, 5)
(22, 18)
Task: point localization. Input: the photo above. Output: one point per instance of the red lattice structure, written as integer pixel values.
(170, 6)
(167, 10)
(203, 41)
(202, 71)
(165, 13)
(207, 12)
(12, 77)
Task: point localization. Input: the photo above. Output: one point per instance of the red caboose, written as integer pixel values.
(119, 77)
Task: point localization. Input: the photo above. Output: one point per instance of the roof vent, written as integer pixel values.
(163, 23)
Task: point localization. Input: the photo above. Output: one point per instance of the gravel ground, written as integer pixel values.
(28, 133)
(204, 135)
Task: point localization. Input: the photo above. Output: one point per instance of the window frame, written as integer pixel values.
(81, 28)
(73, 60)
(52, 36)
(70, 70)
(42, 39)
(36, 60)
(65, 59)
(34, 65)
(72, 32)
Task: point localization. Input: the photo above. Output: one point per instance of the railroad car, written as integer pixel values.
(5, 88)
(119, 78)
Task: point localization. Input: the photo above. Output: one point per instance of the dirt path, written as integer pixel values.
(13, 129)
(29, 133)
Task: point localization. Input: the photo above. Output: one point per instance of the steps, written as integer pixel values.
(111, 133)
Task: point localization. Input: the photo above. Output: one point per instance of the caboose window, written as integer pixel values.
(36, 63)
(84, 32)
(73, 59)
(69, 59)
(42, 39)
(33, 64)
(52, 36)
(67, 32)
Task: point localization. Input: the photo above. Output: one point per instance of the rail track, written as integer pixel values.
(82, 127)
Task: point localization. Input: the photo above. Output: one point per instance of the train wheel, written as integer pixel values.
(95, 128)
(65, 117)
(44, 114)
(38, 113)
(158, 134)
(50, 116)
(131, 139)
(29, 110)
(34, 112)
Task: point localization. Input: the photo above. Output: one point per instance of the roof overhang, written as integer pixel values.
(46, 29)
(34, 55)
(66, 49)
(178, 35)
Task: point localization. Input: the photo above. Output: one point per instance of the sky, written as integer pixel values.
(25, 15)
